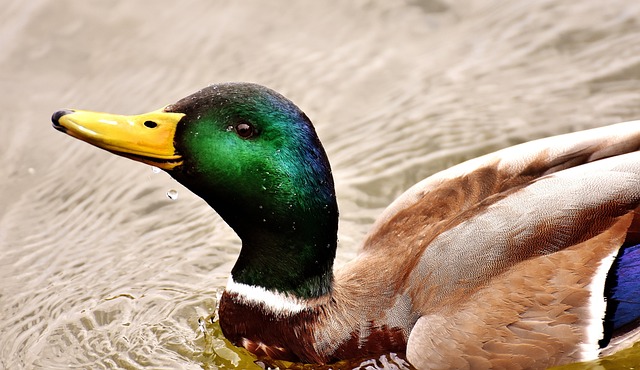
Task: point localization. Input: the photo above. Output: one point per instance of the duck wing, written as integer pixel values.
(525, 256)
(447, 193)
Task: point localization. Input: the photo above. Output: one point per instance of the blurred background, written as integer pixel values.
(100, 269)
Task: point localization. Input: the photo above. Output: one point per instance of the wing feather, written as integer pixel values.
(463, 186)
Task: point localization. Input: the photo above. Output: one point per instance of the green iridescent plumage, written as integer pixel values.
(273, 187)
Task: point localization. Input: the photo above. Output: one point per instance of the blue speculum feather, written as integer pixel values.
(627, 291)
(622, 291)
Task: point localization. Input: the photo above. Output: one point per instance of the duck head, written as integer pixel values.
(254, 157)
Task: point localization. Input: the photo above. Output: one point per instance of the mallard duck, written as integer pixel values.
(526, 257)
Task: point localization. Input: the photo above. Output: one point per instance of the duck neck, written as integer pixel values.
(288, 250)
(297, 263)
(288, 243)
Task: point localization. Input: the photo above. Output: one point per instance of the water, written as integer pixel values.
(99, 269)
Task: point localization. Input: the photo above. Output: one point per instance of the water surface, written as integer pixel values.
(100, 269)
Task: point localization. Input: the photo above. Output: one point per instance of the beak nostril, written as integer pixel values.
(55, 118)
(150, 124)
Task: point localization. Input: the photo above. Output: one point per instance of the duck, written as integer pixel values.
(527, 257)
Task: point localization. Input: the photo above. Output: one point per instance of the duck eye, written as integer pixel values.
(245, 130)
(150, 124)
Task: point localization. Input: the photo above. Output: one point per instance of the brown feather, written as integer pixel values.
(535, 333)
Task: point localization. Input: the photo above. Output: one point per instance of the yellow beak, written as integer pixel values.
(146, 138)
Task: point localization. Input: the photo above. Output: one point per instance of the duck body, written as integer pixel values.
(525, 258)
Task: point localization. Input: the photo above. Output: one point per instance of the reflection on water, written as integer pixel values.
(99, 269)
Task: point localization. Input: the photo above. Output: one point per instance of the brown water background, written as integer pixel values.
(99, 269)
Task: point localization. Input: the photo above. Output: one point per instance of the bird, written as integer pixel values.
(527, 257)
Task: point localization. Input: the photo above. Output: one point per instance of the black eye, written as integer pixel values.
(245, 130)
(150, 124)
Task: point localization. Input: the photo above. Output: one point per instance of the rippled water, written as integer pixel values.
(100, 269)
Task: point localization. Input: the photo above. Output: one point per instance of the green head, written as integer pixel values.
(256, 159)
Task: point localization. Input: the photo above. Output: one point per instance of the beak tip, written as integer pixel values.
(55, 118)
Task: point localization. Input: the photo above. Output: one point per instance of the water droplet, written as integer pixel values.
(229, 128)
(260, 207)
(202, 326)
(264, 220)
(155, 169)
(172, 194)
